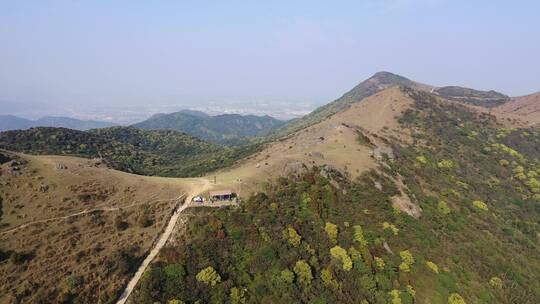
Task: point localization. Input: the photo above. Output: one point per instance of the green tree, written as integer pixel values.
(341, 254)
(432, 266)
(292, 236)
(496, 282)
(328, 279)
(332, 232)
(303, 273)
(208, 276)
(443, 208)
(480, 205)
(287, 276)
(238, 296)
(406, 261)
(359, 235)
(455, 299)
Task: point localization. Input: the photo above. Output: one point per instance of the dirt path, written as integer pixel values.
(86, 211)
(196, 189)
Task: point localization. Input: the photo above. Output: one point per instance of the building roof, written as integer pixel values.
(221, 192)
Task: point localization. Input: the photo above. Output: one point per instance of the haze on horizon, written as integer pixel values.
(75, 54)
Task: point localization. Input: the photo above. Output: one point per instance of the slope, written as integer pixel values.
(332, 142)
(72, 230)
(157, 152)
(374, 84)
(527, 107)
(225, 129)
(488, 99)
(336, 235)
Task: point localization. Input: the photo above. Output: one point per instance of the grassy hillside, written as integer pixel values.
(318, 237)
(156, 152)
(230, 129)
(478, 98)
(374, 84)
(87, 228)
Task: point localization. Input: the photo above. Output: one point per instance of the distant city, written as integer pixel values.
(132, 114)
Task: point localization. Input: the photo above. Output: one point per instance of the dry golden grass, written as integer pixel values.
(88, 246)
(333, 142)
(526, 108)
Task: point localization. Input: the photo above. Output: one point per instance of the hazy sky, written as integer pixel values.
(136, 53)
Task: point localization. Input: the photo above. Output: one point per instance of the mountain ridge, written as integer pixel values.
(12, 122)
(229, 129)
(383, 80)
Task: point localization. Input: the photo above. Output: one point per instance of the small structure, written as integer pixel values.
(198, 199)
(222, 195)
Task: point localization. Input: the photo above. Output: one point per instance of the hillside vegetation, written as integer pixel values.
(374, 84)
(316, 236)
(155, 152)
(72, 231)
(487, 99)
(230, 129)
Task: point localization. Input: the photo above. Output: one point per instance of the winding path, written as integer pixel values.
(162, 241)
(86, 211)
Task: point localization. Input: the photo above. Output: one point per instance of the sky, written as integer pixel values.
(122, 54)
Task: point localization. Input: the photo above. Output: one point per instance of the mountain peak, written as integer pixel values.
(386, 74)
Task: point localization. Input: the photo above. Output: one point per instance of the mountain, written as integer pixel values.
(383, 80)
(487, 99)
(527, 107)
(224, 129)
(403, 196)
(10, 122)
(155, 152)
(372, 85)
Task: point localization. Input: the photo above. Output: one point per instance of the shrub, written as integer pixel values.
(443, 208)
(73, 282)
(292, 236)
(407, 261)
(496, 282)
(303, 273)
(175, 271)
(379, 263)
(391, 227)
(287, 276)
(238, 296)
(403, 267)
(332, 232)
(329, 280)
(144, 220)
(411, 291)
(455, 299)
(432, 266)
(208, 276)
(359, 235)
(421, 160)
(120, 224)
(341, 254)
(445, 164)
(175, 301)
(396, 299)
(480, 205)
